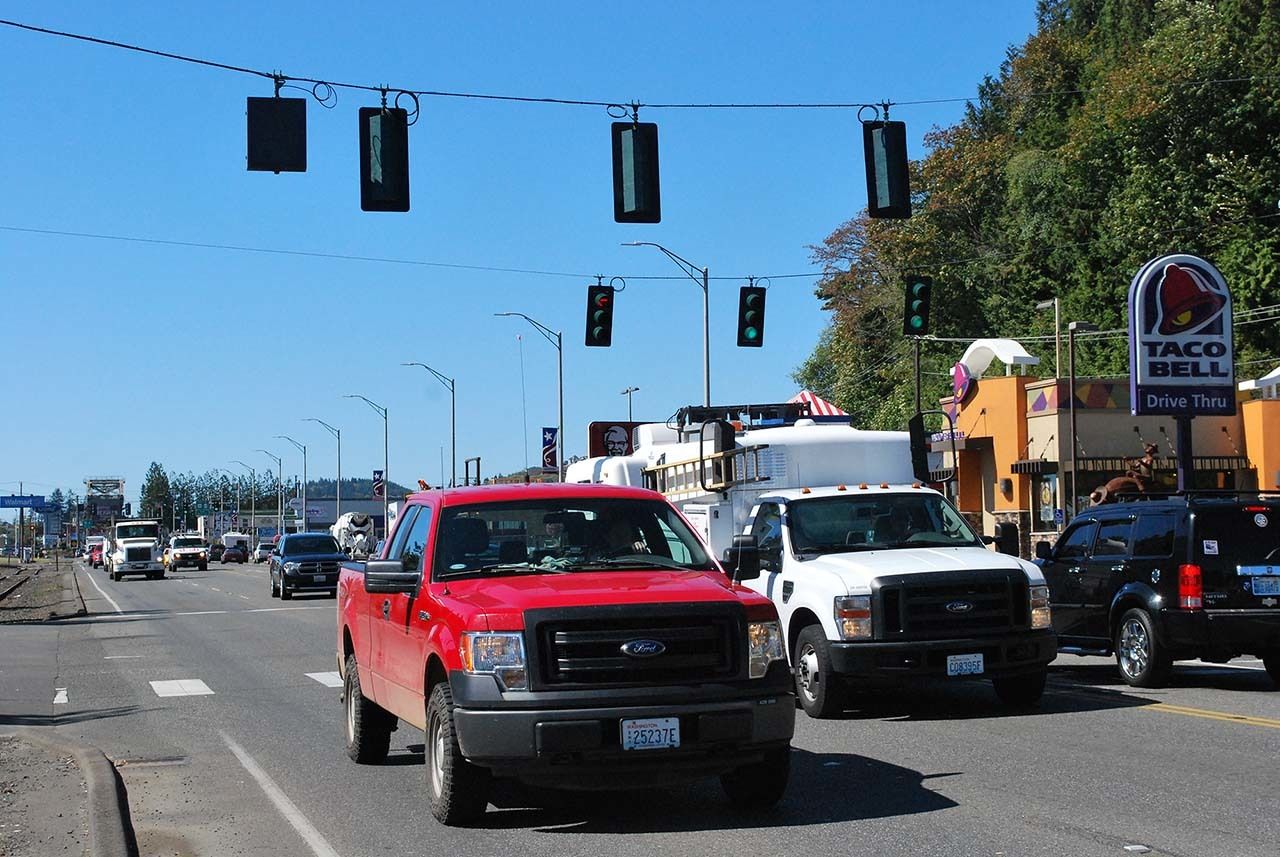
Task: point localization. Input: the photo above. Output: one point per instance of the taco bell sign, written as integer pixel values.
(1180, 354)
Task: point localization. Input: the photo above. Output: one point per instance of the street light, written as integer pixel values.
(627, 392)
(279, 491)
(1056, 303)
(253, 499)
(338, 434)
(453, 417)
(237, 478)
(691, 270)
(386, 470)
(1072, 329)
(554, 337)
(302, 447)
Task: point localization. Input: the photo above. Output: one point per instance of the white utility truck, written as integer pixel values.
(354, 534)
(135, 549)
(875, 575)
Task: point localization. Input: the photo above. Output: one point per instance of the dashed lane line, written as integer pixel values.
(328, 679)
(104, 594)
(181, 687)
(60, 696)
(314, 839)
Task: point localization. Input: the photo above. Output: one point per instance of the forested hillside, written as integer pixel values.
(1121, 130)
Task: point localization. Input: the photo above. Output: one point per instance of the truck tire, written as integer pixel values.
(759, 785)
(1142, 658)
(204, 566)
(1020, 691)
(819, 692)
(368, 725)
(275, 593)
(457, 791)
(1272, 663)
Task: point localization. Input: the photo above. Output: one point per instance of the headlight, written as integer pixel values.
(498, 655)
(853, 617)
(765, 646)
(292, 566)
(202, 554)
(1040, 617)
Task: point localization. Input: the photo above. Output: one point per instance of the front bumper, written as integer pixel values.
(307, 581)
(184, 560)
(1008, 654)
(574, 740)
(1222, 631)
(138, 567)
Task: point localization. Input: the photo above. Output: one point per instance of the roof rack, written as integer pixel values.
(1194, 494)
(784, 412)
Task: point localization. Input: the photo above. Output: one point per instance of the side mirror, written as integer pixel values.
(1043, 550)
(988, 540)
(388, 575)
(1007, 541)
(743, 559)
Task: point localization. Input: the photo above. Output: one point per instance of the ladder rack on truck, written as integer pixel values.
(708, 474)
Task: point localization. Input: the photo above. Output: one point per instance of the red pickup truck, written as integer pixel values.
(575, 636)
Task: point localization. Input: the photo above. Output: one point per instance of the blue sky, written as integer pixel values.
(122, 353)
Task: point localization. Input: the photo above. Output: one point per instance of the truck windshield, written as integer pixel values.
(310, 544)
(853, 523)
(558, 535)
(188, 543)
(138, 531)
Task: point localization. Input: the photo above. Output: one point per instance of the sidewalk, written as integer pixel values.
(43, 800)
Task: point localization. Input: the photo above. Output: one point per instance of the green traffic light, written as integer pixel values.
(751, 333)
(916, 322)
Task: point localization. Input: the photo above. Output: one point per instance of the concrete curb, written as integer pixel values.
(72, 603)
(110, 825)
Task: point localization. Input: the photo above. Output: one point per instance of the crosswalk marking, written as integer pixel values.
(181, 687)
(329, 679)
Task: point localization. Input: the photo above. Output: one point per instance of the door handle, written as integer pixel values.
(1074, 569)
(386, 609)
(1120, 567)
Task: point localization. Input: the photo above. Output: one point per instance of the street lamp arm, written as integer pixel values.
(448, 382)
(691, 270)
(277, 459)
(382, 412)
(302, 447)
(333, 431)
(551, 336)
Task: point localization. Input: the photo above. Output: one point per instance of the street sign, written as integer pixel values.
(296, 504)
(1058, 516)
(21, 501)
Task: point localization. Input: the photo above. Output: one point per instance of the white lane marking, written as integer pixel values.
(181, 687)
(1205, 665)
(103, 593)
(60, 698)
(278, 609)
(120, 657)
(202, 613)
(329, 679)
(315, 841)
(215, 589)
(246, 597)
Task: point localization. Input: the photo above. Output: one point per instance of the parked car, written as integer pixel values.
(574, 636)
(235, 553)
(262, 552)
(215, 552)
(1169, 578)
(305, 562)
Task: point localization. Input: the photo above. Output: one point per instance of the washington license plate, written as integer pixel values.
(655, 733)
(318, 578)
(1266, 586)
(965, 664)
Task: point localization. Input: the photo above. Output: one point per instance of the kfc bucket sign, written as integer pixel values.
(1180, 355)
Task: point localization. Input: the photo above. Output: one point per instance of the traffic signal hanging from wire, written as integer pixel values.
(277, 130)
(384, 159)
(751, 316)
(637, 197)
(915, 309)
(600, 316)
(884, 146)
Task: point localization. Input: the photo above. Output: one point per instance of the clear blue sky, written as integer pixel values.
(123, 353)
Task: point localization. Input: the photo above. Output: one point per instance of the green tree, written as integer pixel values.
(156, 498)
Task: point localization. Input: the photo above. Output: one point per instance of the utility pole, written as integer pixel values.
(627, 392)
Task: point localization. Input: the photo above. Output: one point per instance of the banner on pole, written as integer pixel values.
(550, 461)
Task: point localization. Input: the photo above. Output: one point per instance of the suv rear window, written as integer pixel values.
(1242, 535)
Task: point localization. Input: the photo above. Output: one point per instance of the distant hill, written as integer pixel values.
(352, 489)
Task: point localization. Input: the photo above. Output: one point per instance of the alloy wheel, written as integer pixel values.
(1135, 648)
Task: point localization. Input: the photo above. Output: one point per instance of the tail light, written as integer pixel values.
(1190, 587)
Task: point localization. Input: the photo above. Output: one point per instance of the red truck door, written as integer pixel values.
(401, 621)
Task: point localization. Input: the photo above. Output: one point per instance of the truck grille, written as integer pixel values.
(326, 567)
(583, 647)
(137, 554)
(915, 607)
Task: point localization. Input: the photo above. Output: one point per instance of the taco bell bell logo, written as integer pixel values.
(1180, 349)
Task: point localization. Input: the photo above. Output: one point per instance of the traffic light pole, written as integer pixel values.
(690, 270)
(915, 346)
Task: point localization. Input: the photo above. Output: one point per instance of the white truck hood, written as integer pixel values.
(857, 569)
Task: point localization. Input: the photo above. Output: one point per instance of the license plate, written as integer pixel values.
(964, 664)
(318, 578)
(656, 733)
(1266, 586)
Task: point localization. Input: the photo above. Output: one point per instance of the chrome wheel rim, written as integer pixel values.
(807, 672)
(1135, 648)
(351, 715)
(436, 743)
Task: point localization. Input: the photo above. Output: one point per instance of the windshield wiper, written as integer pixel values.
(514, 566)
(649, 562)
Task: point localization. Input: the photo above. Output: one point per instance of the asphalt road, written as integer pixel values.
(255, 765)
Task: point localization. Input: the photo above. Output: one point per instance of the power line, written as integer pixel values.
(345, 257)
(280, 78)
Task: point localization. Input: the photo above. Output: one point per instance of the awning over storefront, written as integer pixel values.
(1169, 465)
(818, 406)
(1035, 467)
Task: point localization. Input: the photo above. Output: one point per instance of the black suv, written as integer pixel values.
(1171, 577)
